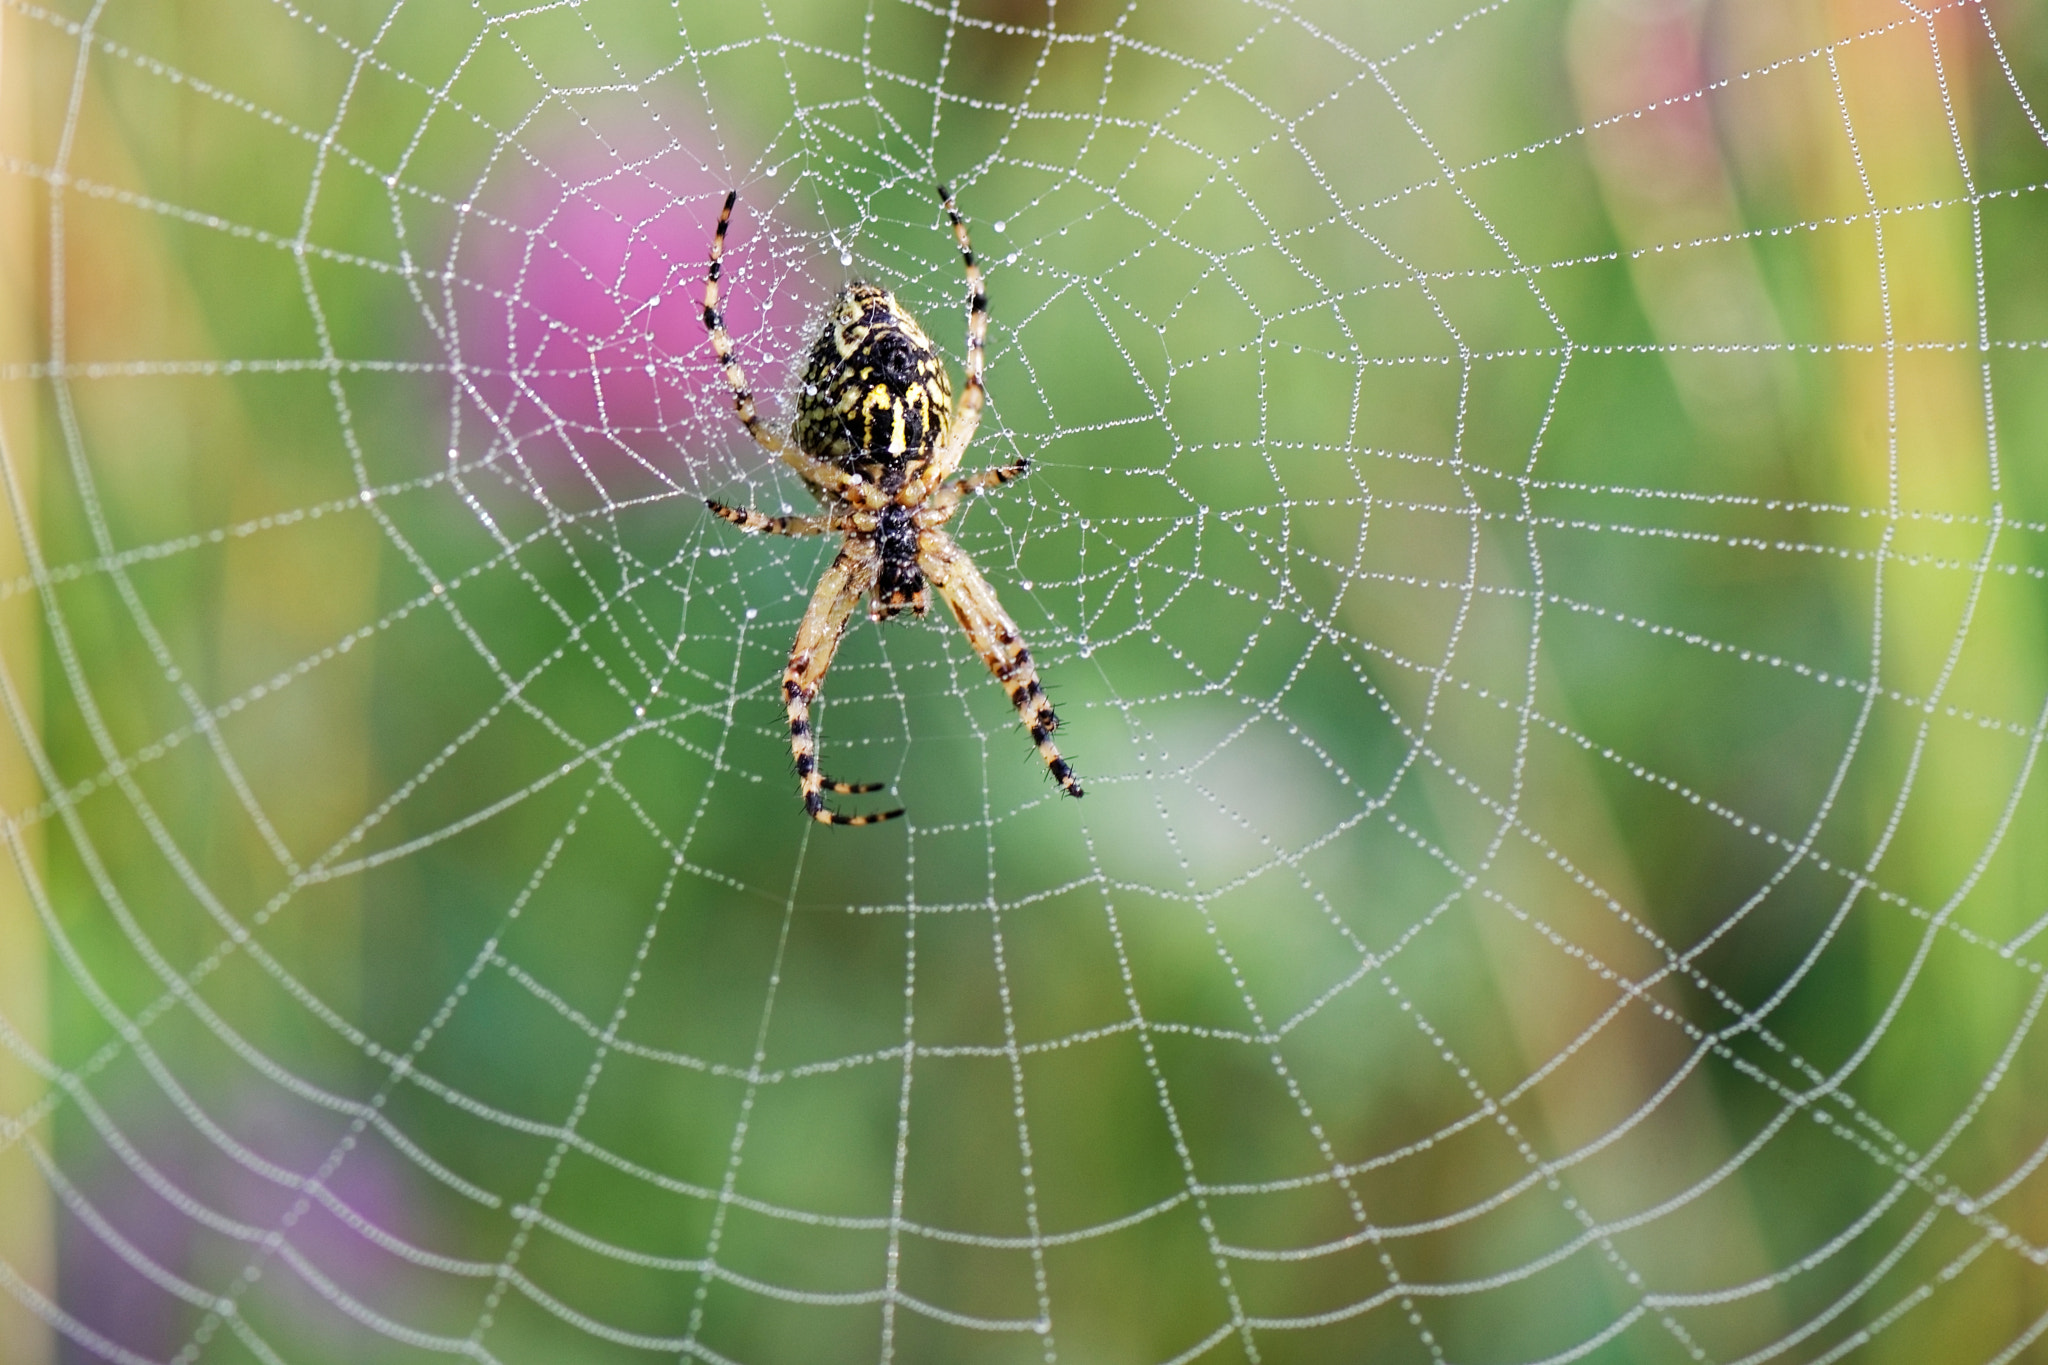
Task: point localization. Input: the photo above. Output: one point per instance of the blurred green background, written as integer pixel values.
(1537, 533)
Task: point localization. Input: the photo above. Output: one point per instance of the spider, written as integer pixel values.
(878, 441)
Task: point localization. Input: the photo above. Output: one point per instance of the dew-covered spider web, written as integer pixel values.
(1537, 532)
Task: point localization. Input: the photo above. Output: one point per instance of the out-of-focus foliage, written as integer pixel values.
(1538, 533)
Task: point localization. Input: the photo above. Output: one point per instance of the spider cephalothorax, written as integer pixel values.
(878, 441)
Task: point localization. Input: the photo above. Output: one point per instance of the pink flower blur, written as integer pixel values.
(579, 321)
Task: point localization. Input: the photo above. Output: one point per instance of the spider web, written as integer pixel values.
(1536, 532)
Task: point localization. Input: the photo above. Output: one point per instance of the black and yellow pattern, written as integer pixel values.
(878, 437)
(874, 397)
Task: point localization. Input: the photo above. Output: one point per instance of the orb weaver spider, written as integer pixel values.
(877, 440)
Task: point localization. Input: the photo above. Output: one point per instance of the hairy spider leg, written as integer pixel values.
(839, 593)
(747, 519)
(967, 412)
(817, 473)
(857, 789)
(951, 495)
(996, 639)
(989, 479)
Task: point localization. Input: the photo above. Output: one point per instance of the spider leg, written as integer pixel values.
(747, 519)
(995, 637)
(947, 497)
(815, 472)
(839, 593)
(967, 416)
(993, 478)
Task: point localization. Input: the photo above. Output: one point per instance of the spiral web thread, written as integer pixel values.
(1193, 630)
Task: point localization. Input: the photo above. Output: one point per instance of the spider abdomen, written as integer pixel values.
(874, 398)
